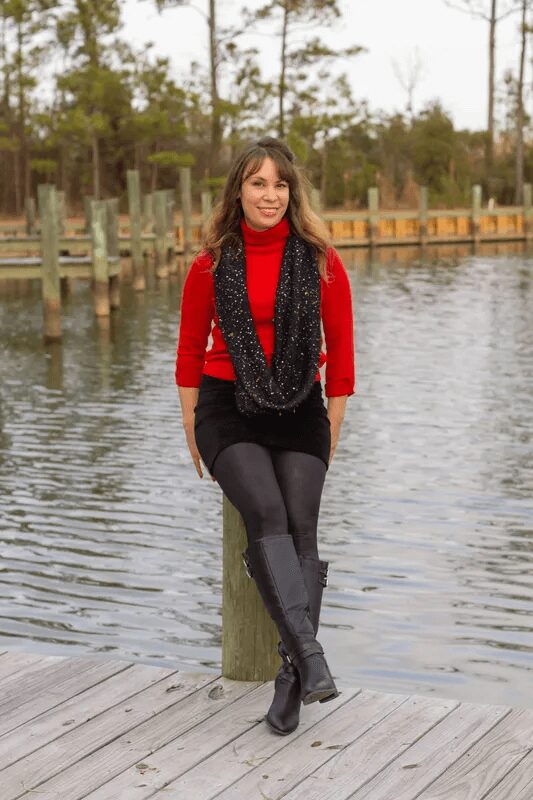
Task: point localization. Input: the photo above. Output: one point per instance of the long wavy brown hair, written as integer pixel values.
(224, 224)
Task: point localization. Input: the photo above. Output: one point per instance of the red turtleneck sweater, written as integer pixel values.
(264, 252)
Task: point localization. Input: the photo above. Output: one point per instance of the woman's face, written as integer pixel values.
(264, 197)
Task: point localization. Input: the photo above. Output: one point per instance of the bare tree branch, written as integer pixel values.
(409, 75)
(477, 9)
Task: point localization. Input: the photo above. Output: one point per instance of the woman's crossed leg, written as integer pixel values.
(275, 491)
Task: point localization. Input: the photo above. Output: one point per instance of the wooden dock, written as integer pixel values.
(105, 729)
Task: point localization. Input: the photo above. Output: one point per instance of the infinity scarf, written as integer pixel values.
(282, 386)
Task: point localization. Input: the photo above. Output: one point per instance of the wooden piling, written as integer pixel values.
(528, 213)
(373, 215)
(87, 207)
(160, 229)
(66, 282)
(186, 208)
(207, 206)
(249, 637)
(171, 232)
(99, 257)
(475, 214)
(423, 215)
(113, 249)
(148, 213)
(134, 204)
(29, 207)
(50, 282)
(61, 211)
(316, 202)
(171, 208)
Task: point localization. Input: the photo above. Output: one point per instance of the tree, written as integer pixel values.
(409, 76)
(487, 10)
(295, 18)
(92, 91)
(216, 37)
(321, 112)
(158, 120)
(22, 21)
(250, 98)
(519, 158)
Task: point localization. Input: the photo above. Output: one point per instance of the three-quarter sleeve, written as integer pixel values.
(338, 323)
(197, 312)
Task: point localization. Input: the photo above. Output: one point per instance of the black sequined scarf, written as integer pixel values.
(282, 386)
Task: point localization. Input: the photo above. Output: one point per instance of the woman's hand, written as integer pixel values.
(188, 427)
(335, 425)
(336, 408)
(188, 398)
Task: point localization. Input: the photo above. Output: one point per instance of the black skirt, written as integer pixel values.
(218, 423)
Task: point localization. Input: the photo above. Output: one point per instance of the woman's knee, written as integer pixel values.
(246, 475)
(267, 517)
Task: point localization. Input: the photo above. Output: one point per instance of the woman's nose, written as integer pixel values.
(269, 193)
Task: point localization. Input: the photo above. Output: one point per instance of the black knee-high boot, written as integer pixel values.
(283, 716)
(275, 567)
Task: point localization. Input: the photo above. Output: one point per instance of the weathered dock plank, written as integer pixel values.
(104, 729)
(16, 664)
(38, 703)
(218, 739)
(385, 722)
(430, 755)
(517, 784)
(57, 757)
(492, 757)
(118, 750)
(38, 678)
(75, 711)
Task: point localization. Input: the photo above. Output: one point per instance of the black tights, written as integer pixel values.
(275, 491)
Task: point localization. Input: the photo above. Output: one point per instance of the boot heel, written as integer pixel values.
(316, 680)
(322, 696)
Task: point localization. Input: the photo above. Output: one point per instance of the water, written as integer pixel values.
(111, 543)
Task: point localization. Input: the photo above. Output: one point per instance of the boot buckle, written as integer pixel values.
(247, 564)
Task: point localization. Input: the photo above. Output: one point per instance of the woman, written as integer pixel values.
(252, 406)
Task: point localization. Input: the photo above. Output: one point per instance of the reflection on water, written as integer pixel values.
(110, 542)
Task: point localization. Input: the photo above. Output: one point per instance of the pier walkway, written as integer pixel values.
(105, 729)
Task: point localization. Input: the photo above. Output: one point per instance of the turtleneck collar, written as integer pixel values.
(271, 236)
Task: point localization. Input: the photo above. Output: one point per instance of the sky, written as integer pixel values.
(452, 46)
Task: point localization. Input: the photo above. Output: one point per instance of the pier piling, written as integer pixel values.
(50, 280)
(134, 202)
(423, 218)
(99, 258)
(373, 215)
(528, 213)
(476, 213)
(249, 637)
(186, 208)
(113, 250)
(161, 226)
(30, 216)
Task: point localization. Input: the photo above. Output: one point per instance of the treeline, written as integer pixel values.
(79, 106)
